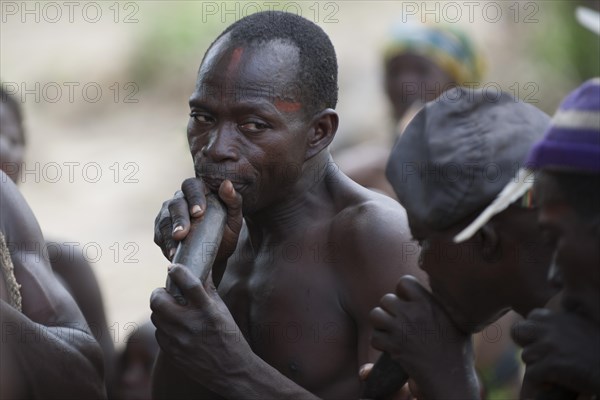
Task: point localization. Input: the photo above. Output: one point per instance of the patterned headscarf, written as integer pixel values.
(446, 46)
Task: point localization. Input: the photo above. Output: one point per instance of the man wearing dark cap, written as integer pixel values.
(452, 161)
(563, 348)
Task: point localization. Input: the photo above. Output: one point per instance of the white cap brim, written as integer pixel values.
(522, 182)
(588, 18)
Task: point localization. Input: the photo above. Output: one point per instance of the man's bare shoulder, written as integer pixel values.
(45, 300)
(372, 228)
(15, 215)
(367, 216)
(371, 231)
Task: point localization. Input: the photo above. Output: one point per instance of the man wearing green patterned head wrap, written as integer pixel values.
(422, 61)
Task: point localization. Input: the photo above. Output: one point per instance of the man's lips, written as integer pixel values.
(214, 182)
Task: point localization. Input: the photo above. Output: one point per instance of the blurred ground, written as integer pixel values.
(99, 164)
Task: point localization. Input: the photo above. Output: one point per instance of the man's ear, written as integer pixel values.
(324, 127)
(490, 243)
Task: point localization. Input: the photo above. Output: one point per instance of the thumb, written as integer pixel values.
(409, 288)
(235, 219)
(191, 287)
(233, 201)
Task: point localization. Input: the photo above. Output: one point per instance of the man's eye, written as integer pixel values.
(254, 126)
(202, 118)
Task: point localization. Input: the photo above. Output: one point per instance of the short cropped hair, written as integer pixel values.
(318, 63)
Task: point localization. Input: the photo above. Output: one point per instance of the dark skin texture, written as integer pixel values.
(280, 324)
(70, 267)
(77, 276)
(563, 348)
(410, 78)
(51, 353)
(426, 333)
(503, 266)
(134, 369)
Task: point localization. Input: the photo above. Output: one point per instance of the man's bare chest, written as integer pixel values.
(290, 313)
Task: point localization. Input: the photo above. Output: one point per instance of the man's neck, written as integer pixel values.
(305, 202)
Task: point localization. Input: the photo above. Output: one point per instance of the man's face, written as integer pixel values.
(457, 276)
(11, 142)
(576, 263)
(478, 279)
(411, 77)
(247, 121)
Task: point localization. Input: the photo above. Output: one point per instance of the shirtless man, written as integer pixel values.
(306, 252)
(563, 348)
(70, 267)
(47, 351)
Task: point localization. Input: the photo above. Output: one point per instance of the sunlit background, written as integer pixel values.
(104, 89)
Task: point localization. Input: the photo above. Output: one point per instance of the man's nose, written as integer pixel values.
(222, 144)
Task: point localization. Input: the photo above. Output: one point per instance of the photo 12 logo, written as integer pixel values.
(231, 11)
(470, 11)
(102, 253)
(53, 12)
(88, 92)
(72, 172)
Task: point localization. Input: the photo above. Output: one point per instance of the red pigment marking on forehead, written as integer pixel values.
(234, 61)
(287, 106)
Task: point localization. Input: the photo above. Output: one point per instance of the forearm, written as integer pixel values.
(453, 376)
(251, 380)
(57, 362)
(171, 382)
(458, 382)
(255, 379)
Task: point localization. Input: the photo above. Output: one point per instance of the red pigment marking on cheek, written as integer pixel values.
(287, 106)
(234, 61)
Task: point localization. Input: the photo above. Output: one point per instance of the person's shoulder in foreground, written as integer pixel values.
(47, 350)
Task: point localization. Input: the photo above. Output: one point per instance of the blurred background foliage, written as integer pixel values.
(563, 52)
(571, 51)
(171, 38)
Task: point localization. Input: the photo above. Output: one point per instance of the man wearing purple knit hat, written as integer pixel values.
(563, 348)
